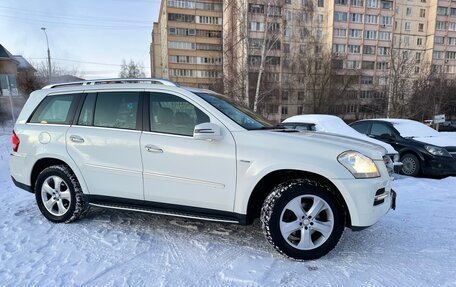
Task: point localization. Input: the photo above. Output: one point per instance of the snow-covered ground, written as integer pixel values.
(412, 246)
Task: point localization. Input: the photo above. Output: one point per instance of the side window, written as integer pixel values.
(86, 115)
(116, 110)
(361, 127)
(173, 115)
(381, 129)
(57, 109)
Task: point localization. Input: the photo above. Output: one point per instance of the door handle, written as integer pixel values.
(152, 148)
(76, 139)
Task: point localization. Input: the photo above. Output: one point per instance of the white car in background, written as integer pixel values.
(335, 125)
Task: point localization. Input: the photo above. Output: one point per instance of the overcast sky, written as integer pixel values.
(92, 36)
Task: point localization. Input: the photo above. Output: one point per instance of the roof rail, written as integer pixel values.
(113, 81)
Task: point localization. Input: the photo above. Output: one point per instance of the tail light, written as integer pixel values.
(15, 140)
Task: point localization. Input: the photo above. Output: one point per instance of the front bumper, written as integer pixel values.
(440, 166)
(367, 200)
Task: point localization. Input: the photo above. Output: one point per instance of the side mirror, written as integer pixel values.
(207, 131)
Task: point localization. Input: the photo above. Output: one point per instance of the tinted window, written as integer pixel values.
(380, 129)
(116, 110)
(86, 115)
(238, 113)
(361, 127)
(55, 110)
(174, 115)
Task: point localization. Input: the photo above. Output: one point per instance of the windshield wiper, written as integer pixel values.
(276, 127)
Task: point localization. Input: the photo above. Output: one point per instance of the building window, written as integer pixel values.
(355, 33)
(440, 25)
(321, 3)
(356, 17)
(286, 48)
(408, 26)
(371, 19)
(367, 80)
(408, 11)
(386, 20)
(383, 51)
(442, 11)
(385, 36)
(439, 39)
(452, 41)
(420, 27)
(452, 26)
(388, 5)
(181, 18)
(284, 110)
(422, 13)
(300, 110)
(287, 32)
(340, 16)
(340, 32)
(437, 55)
(418, 57)
(368, 50)
(453, 12)
(419, 41)
(256, 9)
(359, 3)
(354, 49)
(450, 55)
(382, 65)
(369, 34)
(340, 2)
(368, 65)
(372, 3)
(182, 45)
(353, 65)
(257, 26)
(338, 48)
(288, 16)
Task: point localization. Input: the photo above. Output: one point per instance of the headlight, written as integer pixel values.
(358, 164)
(437, 150)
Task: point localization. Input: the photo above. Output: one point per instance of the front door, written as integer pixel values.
(180, 170)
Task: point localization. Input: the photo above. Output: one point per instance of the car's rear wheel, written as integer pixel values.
(302, 220)
(410, 165)
(59, 195)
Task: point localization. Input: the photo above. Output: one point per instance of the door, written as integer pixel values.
(104, 143)
(180, 170)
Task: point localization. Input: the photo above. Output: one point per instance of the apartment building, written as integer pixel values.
(365, 42)
(187, 43)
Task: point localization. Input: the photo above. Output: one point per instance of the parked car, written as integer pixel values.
(335, 125)
(423, 150)
(448, 126)
(148, 145)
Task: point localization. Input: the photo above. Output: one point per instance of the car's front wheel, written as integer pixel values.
(58, 194)
(410, 165)
(302, 220)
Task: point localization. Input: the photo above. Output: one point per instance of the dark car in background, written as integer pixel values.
(423, 150)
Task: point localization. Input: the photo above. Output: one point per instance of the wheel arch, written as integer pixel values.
(48, 161)
(263, 188)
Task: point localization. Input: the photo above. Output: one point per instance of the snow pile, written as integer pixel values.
(413, 246)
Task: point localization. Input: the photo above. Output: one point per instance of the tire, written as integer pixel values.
(410, 165)
(65, 203)
(277, 216)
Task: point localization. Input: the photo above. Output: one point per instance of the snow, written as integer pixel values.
(412, 246)
(335, 125)
(441, 140)
(410, 128)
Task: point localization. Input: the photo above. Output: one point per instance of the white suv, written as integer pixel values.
(151, 146)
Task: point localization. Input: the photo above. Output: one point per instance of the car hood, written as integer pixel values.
(364, 138)
(338, 142)
(440, 141)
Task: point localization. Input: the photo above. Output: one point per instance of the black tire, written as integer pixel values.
(275, 204)
(76, 207)
(410, 165)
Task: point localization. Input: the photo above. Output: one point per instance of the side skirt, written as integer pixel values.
(166, 209)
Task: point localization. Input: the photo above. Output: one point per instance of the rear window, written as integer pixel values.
(57, 109)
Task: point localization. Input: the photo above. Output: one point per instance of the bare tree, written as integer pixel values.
(131, 70)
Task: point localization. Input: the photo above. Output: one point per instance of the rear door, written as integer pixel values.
(104, 143)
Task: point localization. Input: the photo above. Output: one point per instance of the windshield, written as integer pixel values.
(415, 129)
(238, 113)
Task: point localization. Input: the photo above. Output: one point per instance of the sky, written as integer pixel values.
(89, 36)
